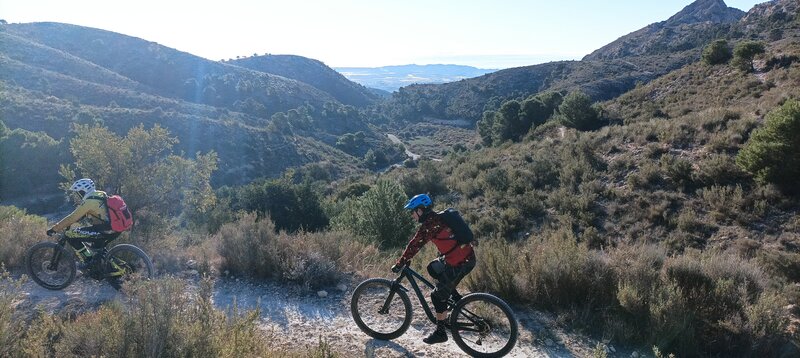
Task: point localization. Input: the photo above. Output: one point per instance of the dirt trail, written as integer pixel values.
(299, 318)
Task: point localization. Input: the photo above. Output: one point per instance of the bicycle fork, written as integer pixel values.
(386, 303)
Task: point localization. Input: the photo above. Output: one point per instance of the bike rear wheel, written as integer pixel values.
(367, 307)
(50, 265)
(126, 264)
(483, 325)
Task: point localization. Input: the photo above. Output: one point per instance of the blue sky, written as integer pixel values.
(364, 33)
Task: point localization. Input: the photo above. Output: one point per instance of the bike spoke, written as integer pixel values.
(49, 266)
(484, 327)
(371, 304)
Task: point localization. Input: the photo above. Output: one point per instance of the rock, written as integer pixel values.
(611, 348)
(341, 287)
(548, 342)
(191, 264)
(193, 273)
(227, 273)
(635, 354)
(322, 293)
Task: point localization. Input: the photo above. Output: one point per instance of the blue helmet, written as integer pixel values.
(420, 200)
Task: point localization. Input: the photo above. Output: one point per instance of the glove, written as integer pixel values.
(397, 267)
(50, 232)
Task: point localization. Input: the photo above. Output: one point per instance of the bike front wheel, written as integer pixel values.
(50, 265)
(128, 263)
(376, 313)
(483, 325)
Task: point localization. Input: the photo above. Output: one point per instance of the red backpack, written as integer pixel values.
(118, 214)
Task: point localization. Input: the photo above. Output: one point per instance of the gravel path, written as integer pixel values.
(300, 318)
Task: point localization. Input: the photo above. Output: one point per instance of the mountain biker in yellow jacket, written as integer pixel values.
(93, 211)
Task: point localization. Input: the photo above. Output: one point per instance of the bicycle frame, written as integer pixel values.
(407, 272)
(62, 241)
(410, 274)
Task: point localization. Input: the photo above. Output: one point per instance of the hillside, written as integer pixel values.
(311, 72)
(57, 75)
(606, 73)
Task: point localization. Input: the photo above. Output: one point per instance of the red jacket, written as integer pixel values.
(434, 229)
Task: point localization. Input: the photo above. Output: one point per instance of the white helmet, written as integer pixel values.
(85, 185)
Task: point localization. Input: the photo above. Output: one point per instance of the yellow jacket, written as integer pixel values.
(93, 208)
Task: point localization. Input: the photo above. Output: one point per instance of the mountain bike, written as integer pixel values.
(482, 325)
(53, 265)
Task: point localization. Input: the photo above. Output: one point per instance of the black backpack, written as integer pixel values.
(457, 225)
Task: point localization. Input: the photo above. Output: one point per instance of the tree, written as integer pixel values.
(485, 126)
(772, 154)
(717, 52)
(539, 108)
(142, 168)
(577, 112)
(29, 162)
(745, 52)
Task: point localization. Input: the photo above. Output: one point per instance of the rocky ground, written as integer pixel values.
(298, 317)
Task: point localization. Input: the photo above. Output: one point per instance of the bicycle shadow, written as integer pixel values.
(373, 344)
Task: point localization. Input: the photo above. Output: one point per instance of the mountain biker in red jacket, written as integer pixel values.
(455, 260)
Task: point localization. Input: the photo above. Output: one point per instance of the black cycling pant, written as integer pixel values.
(447, 278)
(97, 236)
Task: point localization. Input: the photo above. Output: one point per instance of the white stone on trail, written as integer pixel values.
(341, 287)
(322, 293)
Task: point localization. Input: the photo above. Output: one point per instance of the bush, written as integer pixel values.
(717, 53)
(426, 179)
(772, 155)
(18, 232)
(158, 319)
(703, 303)
(252, 247)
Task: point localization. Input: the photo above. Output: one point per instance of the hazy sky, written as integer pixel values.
(358, 33)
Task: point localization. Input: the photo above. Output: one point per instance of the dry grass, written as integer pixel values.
(156, 319)
(252, 247)
(18, 232)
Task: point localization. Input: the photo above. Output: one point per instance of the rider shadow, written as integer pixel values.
(373, 344)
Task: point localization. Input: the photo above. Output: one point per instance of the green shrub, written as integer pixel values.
(717, 52)
(426, 179)
(377, 216)
(772, 155)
